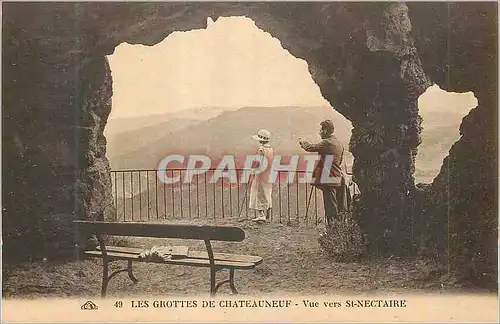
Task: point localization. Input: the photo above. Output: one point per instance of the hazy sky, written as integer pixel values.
(232, 63)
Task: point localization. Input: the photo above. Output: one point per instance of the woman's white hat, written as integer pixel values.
(262, 135)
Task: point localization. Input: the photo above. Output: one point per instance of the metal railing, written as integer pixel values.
(139, 195)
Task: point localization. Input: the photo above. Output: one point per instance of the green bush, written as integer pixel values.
(342, 239)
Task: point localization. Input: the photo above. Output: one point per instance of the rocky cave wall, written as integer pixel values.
(56, 100)
(369, 60)
(457, 44)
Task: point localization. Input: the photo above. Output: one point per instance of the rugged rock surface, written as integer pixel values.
(370, 60)
(56, 103)
(460, 54)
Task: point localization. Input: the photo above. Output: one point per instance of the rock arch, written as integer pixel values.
(371, 62)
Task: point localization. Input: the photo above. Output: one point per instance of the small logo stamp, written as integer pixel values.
(89, 305)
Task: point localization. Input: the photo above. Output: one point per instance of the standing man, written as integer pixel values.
(334, 193)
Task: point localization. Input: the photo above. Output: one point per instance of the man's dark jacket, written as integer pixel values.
(328, 146)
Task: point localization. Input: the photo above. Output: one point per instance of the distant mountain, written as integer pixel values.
(440, 132)
(202, 113)
(125, 142)
(124, 125)
(230, 132)
(127, 124)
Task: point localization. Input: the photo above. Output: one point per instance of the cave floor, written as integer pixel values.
(293, 265)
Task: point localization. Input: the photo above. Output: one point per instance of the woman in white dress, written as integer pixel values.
(261, 188)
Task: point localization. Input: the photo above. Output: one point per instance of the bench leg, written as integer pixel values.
(130, 273)
(105, 278)
(213, 287)
(230, 281)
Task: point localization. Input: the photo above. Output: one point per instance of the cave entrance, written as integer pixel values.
(442, 113)
(207, 92)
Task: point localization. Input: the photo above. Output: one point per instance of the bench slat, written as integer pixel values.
(131, 250)
(180, 231)
(195, 254)
(226, 257)
(186, 261)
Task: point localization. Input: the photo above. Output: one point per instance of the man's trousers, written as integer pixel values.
(331, 198)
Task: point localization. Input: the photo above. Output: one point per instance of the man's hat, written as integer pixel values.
(327, 125)
(263, 135)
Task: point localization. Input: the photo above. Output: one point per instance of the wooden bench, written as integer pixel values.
(207, 259)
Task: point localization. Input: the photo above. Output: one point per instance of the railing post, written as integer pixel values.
(206, 197)
(140, 197)
(197, 196)
(156, 196)
(279, 190)
(189, 192)
(165, 195)
(124, 196)
(180, 192)
(132, 193)
(147, 184)
(173, 195)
